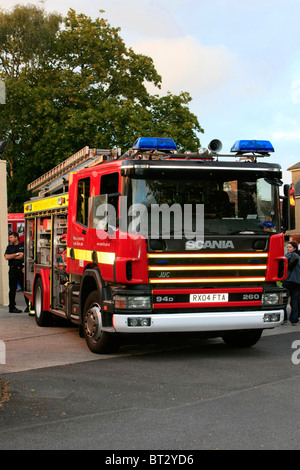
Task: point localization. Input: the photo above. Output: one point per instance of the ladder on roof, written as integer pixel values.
(58, 177)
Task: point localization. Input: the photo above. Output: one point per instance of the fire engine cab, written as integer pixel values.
(155, 241)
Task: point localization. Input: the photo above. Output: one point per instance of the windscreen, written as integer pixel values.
(226, 202)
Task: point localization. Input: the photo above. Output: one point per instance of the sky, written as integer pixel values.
(238, 59)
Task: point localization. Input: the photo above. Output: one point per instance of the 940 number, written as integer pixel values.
(165, 298)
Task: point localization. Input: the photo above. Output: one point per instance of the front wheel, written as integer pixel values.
(242, 339)
(98, 341)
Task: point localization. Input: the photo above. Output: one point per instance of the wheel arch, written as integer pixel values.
(44, 275)
(91, 281)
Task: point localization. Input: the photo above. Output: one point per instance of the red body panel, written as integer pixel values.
(44, 273)
(276, 254)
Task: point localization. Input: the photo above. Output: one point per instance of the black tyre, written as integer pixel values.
(42, 317)
(98, 341)
(242, 339)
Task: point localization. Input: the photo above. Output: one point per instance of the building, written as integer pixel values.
(295, 170)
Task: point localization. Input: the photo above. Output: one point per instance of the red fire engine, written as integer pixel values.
(155, 241)
(16, 223)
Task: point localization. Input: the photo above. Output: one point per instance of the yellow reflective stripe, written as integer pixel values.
(87, 255)
(211, 279)
(207, 268)
(106, 258)
(207, 255)
(83, 255)
(47, 203)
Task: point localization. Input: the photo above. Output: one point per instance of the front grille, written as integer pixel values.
(203, 269)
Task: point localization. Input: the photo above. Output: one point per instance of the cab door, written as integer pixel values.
(103, 240)
(79, 253)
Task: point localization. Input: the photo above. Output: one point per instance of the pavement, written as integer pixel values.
(28, 346)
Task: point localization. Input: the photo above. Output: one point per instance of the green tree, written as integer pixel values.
(73, 82)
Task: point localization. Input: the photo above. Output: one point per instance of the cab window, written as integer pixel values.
(110, 186)
(83, 194)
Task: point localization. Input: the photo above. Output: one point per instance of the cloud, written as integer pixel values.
(296, 92)
(287, 126)
(142, 17)
(286, 177)
(286, 135)
(187, 65)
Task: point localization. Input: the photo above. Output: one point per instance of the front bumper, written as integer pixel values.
(199, 321)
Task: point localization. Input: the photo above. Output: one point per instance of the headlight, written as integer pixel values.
(274, 298)
(132, 302)
(270, 298)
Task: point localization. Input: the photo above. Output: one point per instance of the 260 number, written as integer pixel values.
(250, 296)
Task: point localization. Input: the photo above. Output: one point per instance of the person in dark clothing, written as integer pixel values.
(292, 281)
(14, 254)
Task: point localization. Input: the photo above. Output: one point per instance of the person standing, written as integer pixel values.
(292, 281)
(14, 254)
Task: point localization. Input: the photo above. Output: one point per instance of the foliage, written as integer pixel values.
(73, 82)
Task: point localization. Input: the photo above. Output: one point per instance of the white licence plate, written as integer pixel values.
(208, 297)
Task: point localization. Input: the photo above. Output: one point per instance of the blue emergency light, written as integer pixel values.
(257, 146)
(154, 143)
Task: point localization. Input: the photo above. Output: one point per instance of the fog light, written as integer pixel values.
(275, 317)
(271, 317)
(132, 321)
(138, 321)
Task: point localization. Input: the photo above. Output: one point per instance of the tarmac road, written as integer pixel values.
(30, 347)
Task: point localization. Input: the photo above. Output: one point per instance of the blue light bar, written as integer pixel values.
(154, 143)
(258, 146)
